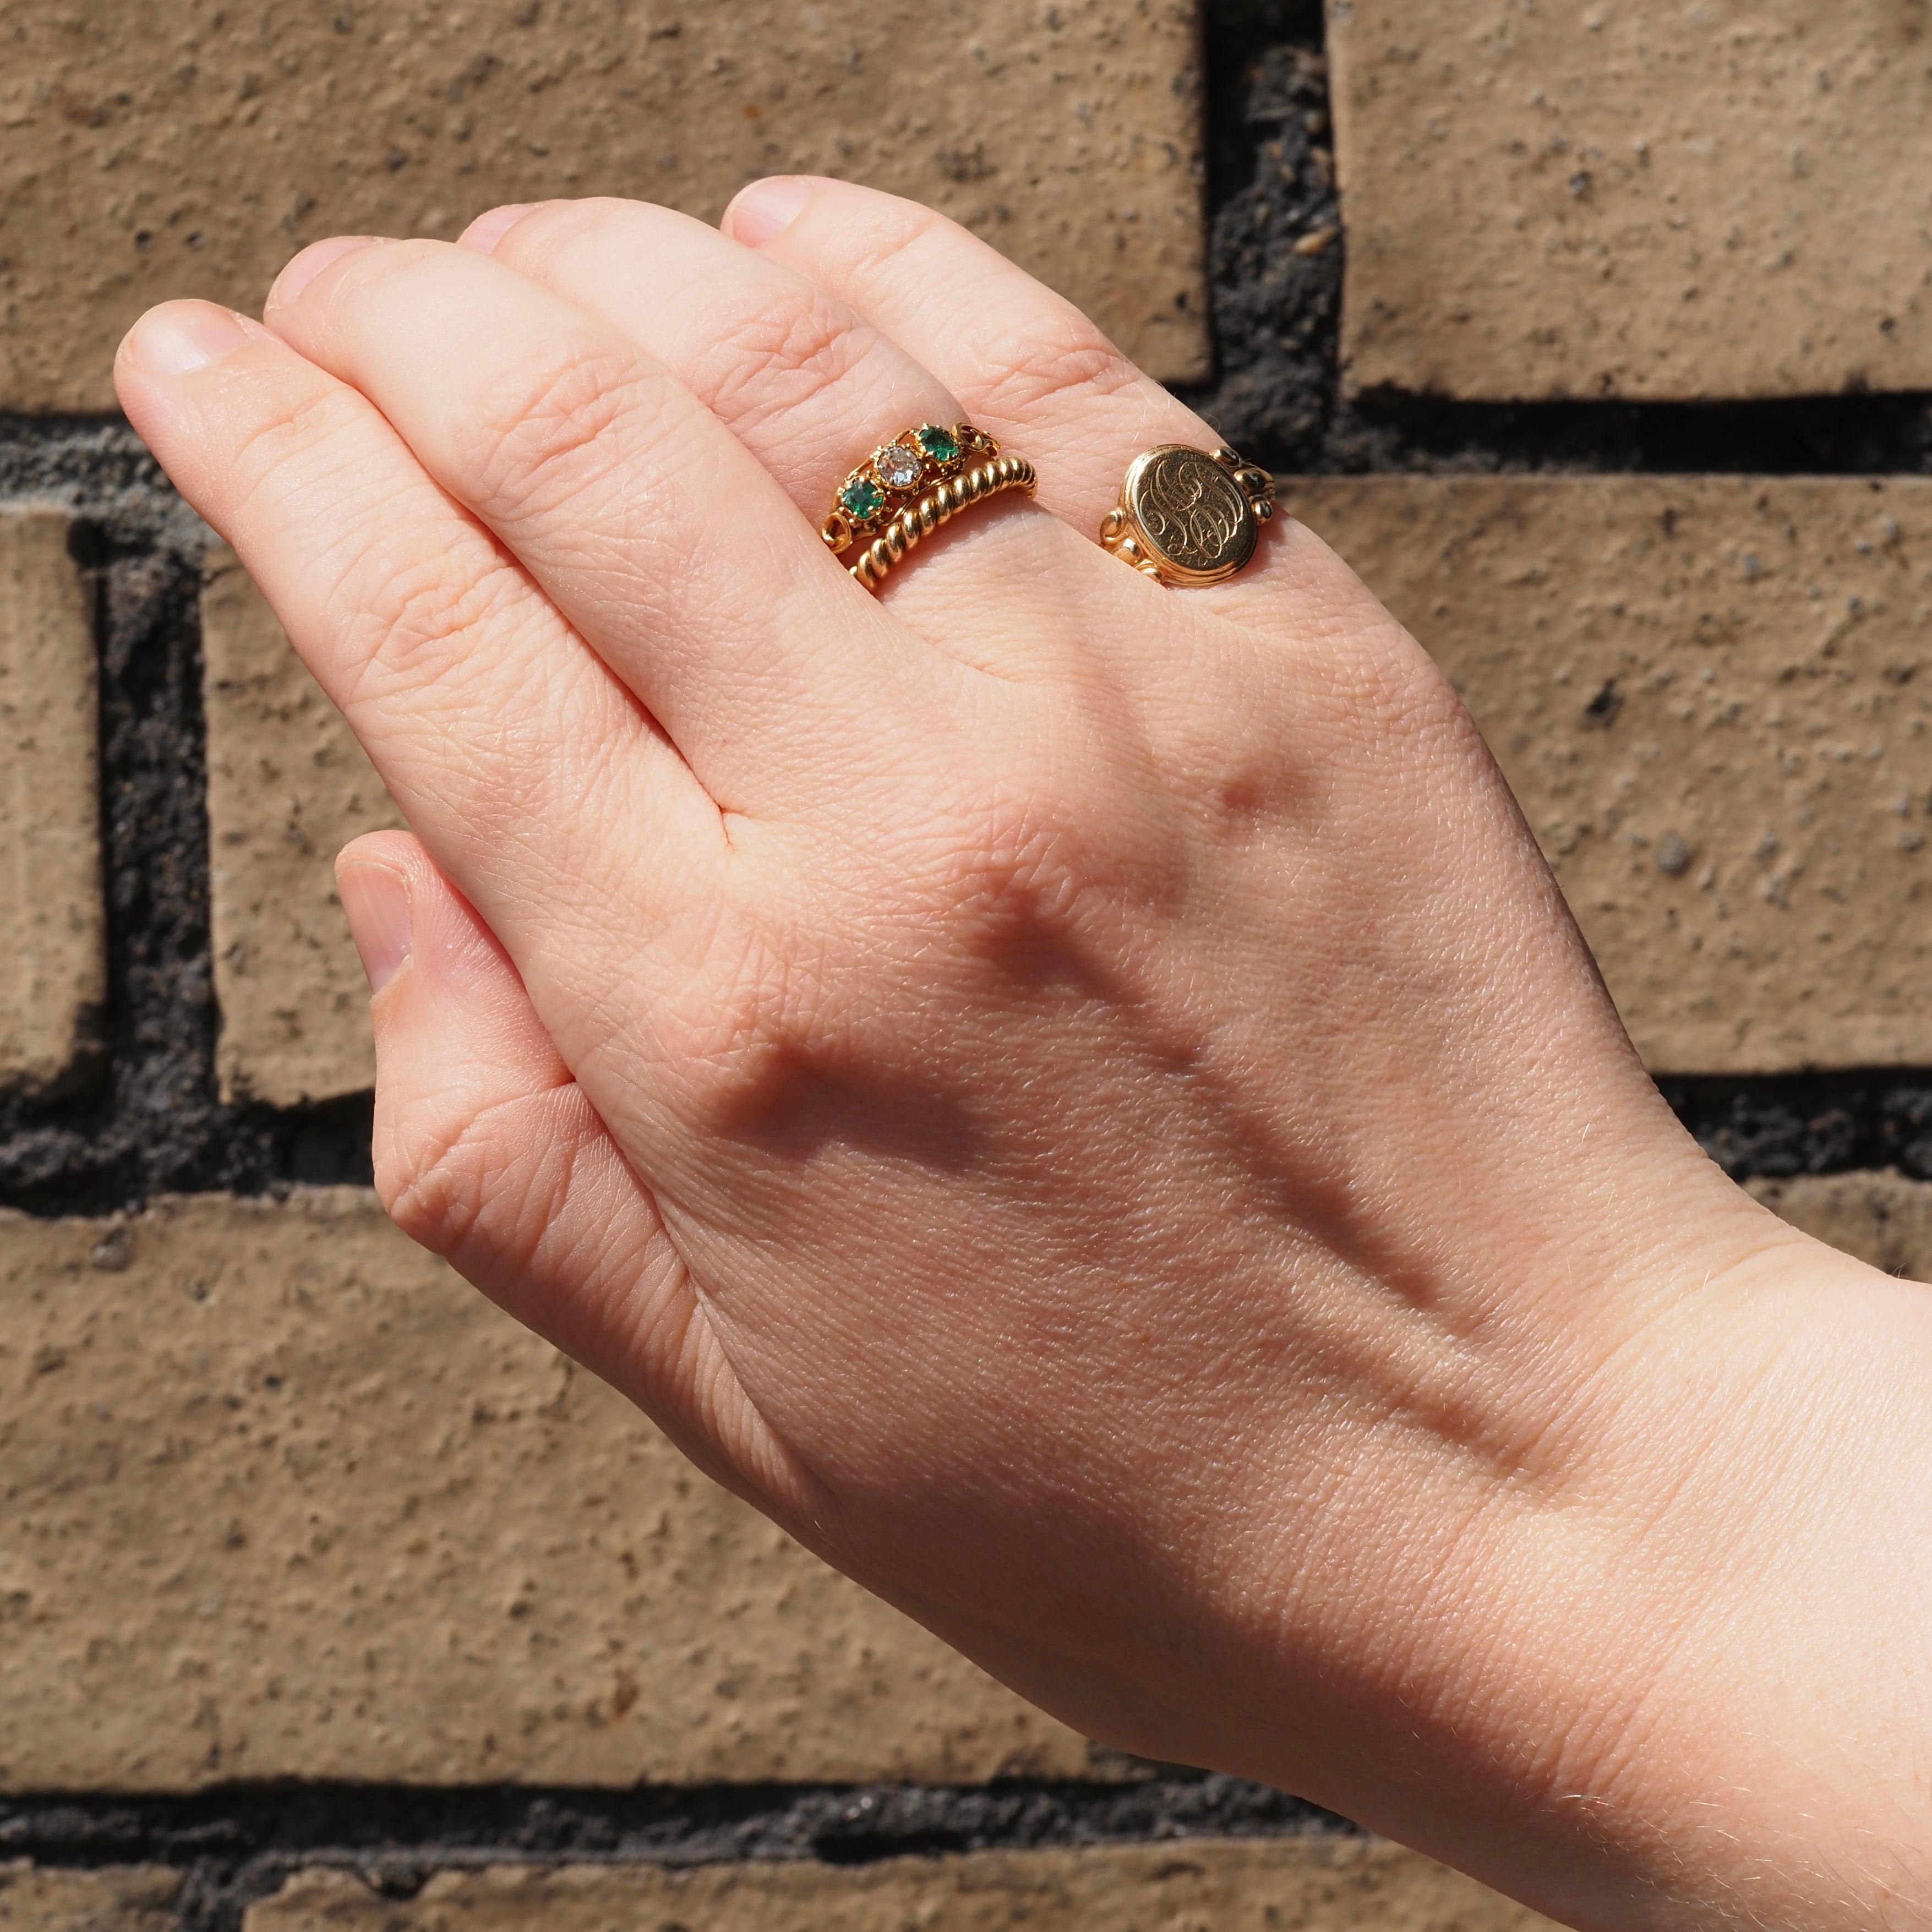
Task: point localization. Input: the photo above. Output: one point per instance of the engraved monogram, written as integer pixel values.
(1189, 517)
(1192, 510)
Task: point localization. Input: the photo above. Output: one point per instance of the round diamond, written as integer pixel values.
(941, 444)
(899, 468)
(862, 498)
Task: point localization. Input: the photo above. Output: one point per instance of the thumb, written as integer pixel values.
(487, 1152)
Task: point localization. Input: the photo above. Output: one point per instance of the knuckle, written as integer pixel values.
(833, 1022)
(419, 617)
(892, 230)
(432, 1179)
(1032, 872)
(733, 1013)
(1058, 357)
(544, 427)
(297, 419)
(785, 350)
(489, 1176)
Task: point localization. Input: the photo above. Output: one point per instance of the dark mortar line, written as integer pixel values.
(1783, 1125)
(149, 1121)
(238, 1844)
(1855, 436)
(1278, 394)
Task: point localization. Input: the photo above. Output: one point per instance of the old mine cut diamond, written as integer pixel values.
(899, 468)
(862, 499)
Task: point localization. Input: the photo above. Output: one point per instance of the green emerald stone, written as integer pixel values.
(861, 499)
(941, 444)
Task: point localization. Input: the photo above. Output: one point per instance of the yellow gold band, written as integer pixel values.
(939, 505)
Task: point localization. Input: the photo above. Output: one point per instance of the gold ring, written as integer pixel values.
(1189, 517)
(908, 487)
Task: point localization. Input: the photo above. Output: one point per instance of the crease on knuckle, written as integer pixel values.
(422, 617)
(544, 430)
(780, 353)
(1060, 359)
(439, 1182)
(878, 247)
(278, 446)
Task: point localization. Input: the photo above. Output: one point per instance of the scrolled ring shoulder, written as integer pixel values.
(1188, 517)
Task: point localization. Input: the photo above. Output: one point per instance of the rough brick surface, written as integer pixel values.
(1883, 1219)
(1711, 696)
(52, 970)
(1630, 198)
(288, 787)
(283, 1498)
(113, 1898)
(178, 148)
(1306, 1885)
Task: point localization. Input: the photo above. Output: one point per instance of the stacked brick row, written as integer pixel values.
(280, 1498)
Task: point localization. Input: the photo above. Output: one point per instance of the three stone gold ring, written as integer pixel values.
(1189, 517)
(908, 487)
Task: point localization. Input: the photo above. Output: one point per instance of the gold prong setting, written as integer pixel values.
(895, 476)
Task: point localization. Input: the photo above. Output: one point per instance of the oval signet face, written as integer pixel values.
(1191, 512)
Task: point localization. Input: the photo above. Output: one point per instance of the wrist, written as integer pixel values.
(1600, 1664)
(1461, 1599)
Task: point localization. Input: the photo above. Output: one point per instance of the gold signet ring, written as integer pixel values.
(1189, 517)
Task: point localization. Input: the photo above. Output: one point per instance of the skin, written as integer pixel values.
(1082, 1101)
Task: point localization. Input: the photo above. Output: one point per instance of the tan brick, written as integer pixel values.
(1629, 198)
(113, 1898)
(53, 972)
(281, 1497)
(1883, 1219)
(1193, 1885)
(288, 787)
(1711, 695)
(177, 148)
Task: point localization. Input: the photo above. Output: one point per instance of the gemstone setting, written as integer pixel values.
(888, 482)
(899, 468)
(861, 499)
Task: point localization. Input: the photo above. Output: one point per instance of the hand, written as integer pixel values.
(1080, 1099)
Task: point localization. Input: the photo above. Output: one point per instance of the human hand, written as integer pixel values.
(1082, 1100)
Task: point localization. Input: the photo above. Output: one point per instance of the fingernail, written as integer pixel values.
(182, 338)
(303, 268)
(767, 208)
(487, 230)
(377, 901)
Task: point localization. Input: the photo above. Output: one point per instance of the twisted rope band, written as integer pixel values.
(939, 505)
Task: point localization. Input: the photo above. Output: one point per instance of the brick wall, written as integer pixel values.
(1596, 338)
